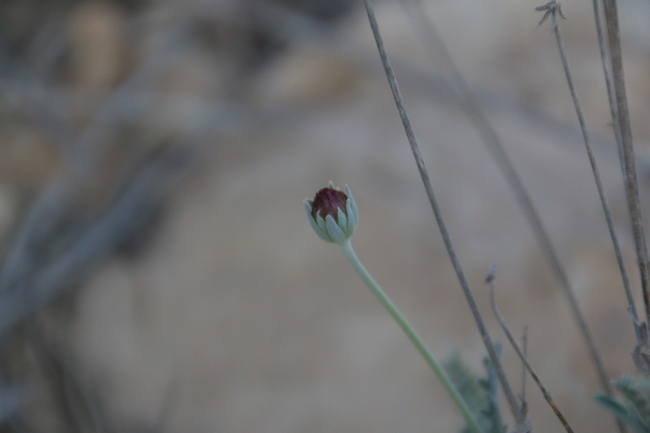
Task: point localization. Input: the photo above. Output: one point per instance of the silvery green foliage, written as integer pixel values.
(633, 407)
(480, 394)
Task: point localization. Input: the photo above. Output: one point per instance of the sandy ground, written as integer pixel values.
(235, 317)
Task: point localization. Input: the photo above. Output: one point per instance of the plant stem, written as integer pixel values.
(605, 381)
(619, 145)
(623, 120)
(515, 409)
(410, 332)
(476, 114)
(545, 392)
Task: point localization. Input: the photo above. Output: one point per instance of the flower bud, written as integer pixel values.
(333, 214)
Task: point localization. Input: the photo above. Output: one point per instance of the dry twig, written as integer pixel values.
(621, 119)
(515, 409)
(545, 392)
(496, 148)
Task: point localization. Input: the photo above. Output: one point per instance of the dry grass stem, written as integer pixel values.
(524, 345)
(619, 144)
(621, 119)
(555, 12)
(545, 392)
(496, 148)
(494, 358)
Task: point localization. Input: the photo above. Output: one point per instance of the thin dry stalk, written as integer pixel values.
(608, 86)
(494, 358)
(623, 122)
(545, 392)
(496, 148)
(553, 10)
(619, 145)
(611, 97)
(524, 343)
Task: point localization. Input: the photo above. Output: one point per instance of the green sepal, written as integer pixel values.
(342, 222)
(321, 234)
(334, 231)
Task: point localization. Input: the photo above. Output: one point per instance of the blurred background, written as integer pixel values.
(158, 270)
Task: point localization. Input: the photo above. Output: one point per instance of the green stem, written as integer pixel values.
(410, 332)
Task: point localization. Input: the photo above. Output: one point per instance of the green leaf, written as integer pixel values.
(491, 386)
(480, 394)
(626, 413)
(631, 389)
(633, 408)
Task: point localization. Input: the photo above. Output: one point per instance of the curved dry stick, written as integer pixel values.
(523, 199)
(494, 358)
(545, 392)
(553, 10)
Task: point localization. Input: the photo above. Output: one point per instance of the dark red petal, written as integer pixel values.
(327, 202)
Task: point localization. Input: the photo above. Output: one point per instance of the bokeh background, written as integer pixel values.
(159, 273)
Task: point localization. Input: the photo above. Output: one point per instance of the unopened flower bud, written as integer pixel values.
(333, 214)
